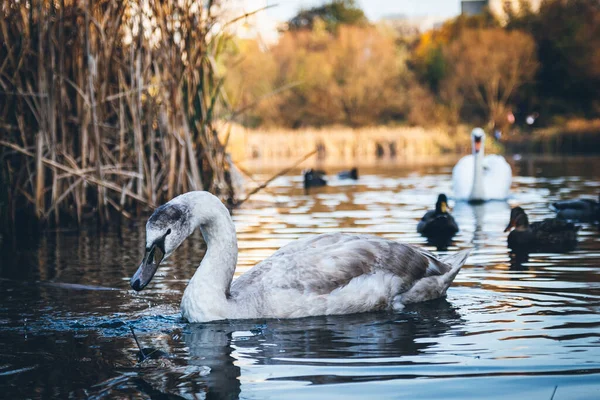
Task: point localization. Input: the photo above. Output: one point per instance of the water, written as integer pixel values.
(519, 328)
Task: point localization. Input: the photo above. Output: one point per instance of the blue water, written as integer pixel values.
(507, 329)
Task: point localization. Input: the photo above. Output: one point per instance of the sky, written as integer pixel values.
(374, 9)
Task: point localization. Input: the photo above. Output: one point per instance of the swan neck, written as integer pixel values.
(477, 192)
(208, 290)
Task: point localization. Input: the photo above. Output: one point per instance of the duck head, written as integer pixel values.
(518, 219)
(441, 206)
(313, 178)
(166, 229)
(477, 140)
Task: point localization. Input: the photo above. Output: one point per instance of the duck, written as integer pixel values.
(478, 178)
(313, 178)
(578, 209)
(350, 174)
(438, 223)
(326, 274)
(549, 235)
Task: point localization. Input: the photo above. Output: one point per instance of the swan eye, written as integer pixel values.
(168, 231)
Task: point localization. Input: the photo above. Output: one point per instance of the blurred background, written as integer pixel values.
(523, 70)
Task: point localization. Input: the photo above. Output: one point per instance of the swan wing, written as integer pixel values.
(322, 263)
(497, 177)
(462, 177)
(337, 274)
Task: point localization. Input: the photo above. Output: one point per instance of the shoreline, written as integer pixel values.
(342, 147)
(422, 162)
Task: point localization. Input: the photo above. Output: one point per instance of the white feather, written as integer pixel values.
(496, 177)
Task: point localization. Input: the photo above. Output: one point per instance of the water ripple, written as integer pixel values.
(525, 327)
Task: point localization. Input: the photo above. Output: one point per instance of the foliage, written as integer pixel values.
(470, 69)
(351, 78)
(250, 83)
(333, 14)
(427, 57)
(567, 34)
(488, 65)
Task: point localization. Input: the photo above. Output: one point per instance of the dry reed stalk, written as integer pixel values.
(91, 77)
(62, 197)
(277, 175)
(196, 180)
(135, 108)
(172, 167)
(39, 183)
(151, 188)
(79, 83)
(121, 127)
(41, 160)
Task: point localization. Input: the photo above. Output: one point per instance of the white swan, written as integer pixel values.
(324, 274)
(479, 178)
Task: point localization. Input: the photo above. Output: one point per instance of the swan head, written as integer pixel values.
(167, 228)
(518, 219)
(477, 139)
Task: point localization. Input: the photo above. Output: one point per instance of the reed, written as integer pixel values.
(107, 107)
(342, 146)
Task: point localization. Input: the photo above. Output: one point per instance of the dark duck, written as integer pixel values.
(350, 174)
(585, 210)
(438, 224)
(550, 235)
(313, 178)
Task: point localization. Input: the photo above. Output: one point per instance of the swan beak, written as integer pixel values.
(477, 145)
(147, 269)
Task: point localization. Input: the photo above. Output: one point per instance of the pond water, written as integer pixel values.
(519, 328)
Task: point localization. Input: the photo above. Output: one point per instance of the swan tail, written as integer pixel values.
(455, 261)
(433, 286)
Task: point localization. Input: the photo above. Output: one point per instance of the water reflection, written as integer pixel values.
(483, 221)
(515, 324)
(305, 349)
(518, 261)
(439, 242)
(211, 345)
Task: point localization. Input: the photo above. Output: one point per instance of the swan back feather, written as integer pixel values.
(339, 274)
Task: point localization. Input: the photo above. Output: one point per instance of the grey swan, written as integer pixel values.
(332, 273)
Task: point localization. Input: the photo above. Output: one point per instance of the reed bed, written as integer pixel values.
(107, 107)
(340, 146)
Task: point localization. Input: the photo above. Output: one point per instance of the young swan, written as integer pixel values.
(331, 273)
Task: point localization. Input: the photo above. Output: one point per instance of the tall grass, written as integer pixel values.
(107, 106)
